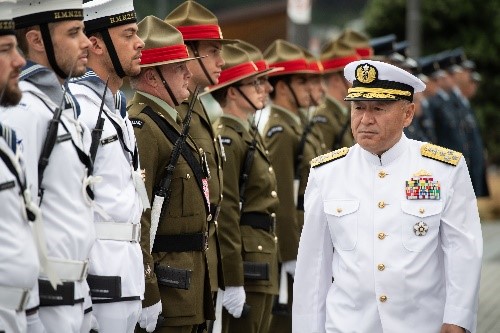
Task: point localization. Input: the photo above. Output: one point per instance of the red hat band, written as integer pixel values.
(338, 63)
(291, 66)
(163, 54)
(365, 52)
(261, 65)
(237, 71)
(316, 66)
(197, 32)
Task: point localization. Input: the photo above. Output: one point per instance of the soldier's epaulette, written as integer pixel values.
(440, 154)
(328, 157)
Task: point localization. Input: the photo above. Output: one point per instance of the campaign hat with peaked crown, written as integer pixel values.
(163, 43)
(257, 57)
(287, 55)
(336, 54)
(376, 80)
(313, 63)
(238, 67)
(358, 41)
(7, 25)
(28, 13)
(104, 14)
(196, 22)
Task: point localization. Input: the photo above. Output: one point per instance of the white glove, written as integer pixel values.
(289, 267)
(34, 324)
(149, 317)
(233, 301)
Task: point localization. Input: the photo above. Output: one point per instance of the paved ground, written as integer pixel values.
(489, 295)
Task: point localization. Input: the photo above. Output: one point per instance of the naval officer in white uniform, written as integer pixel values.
(392, 240)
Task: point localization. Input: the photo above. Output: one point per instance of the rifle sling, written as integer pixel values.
(22, 185)
(134, 155)
(247, 166)
(300, 151)
(172, 135)
(337, 140)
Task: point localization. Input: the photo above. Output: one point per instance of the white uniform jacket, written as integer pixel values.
(116, 194)
(18, 257)
(399, 264)
(66, 208)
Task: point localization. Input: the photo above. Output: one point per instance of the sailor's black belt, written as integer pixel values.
(105, 286)
(258, 220)
(181, 243)
(64, 294)
(300, 202)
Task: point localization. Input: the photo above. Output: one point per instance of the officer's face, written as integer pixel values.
(378, 125)
(71, 47)
(177, 76)
(213, 63)
(128, 46)
(11, 63)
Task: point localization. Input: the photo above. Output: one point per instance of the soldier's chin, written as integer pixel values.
(11, 97)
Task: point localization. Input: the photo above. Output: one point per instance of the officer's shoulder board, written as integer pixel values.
(441, 154)
(328, 157)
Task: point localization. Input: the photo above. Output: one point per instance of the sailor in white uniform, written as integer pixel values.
(392, 240)
(116, 272)
(19, 264)
(62, 179)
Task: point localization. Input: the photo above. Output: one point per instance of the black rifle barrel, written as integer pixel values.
(98, 128)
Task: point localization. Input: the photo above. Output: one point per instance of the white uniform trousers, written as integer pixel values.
(62, 318)
(117, 316)
(12, 321)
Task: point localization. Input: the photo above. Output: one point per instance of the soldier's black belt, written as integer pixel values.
(173, 277)
(181, 243)
(105, 286)
(255, 270)
(258, 221)
(300, 202)
(63, 295)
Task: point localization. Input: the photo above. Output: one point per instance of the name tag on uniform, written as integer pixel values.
(7, 185)
(109, 139)
(64, 137)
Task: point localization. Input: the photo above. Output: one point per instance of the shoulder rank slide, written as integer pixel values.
(328, 157)
(442, 154)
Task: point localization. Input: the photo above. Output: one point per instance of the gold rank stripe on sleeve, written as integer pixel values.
(328, 157)
(440, 154)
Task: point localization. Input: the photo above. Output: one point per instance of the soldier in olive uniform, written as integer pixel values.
(358, 41)
(332, 117)
(203, 37)
(247, 216)
(283, 134)
(175, 261)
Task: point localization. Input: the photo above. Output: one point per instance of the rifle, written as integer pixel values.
(98, 128)
(51, 138)
(163, 192)
(247, 164)
(337, 140)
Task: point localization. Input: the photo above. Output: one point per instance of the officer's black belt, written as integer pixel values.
(258, 221)
(64, 294)
(173, 277)
(181, 243)
(300, 202)
(105, 286)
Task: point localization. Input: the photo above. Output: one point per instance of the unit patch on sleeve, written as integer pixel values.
(320, 119)
(225, 140)
(438, 153)
(273, 130)
(137, 123)
(328, 157)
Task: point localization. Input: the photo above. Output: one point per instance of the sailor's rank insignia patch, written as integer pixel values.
(438, 153)
(273, 130)
(423, 187)
(328, 157)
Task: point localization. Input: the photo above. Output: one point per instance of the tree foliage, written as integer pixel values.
(447, 24)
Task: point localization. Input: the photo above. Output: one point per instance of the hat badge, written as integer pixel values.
(366, 73)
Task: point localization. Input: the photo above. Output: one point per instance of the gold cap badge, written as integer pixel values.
(366, 73)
